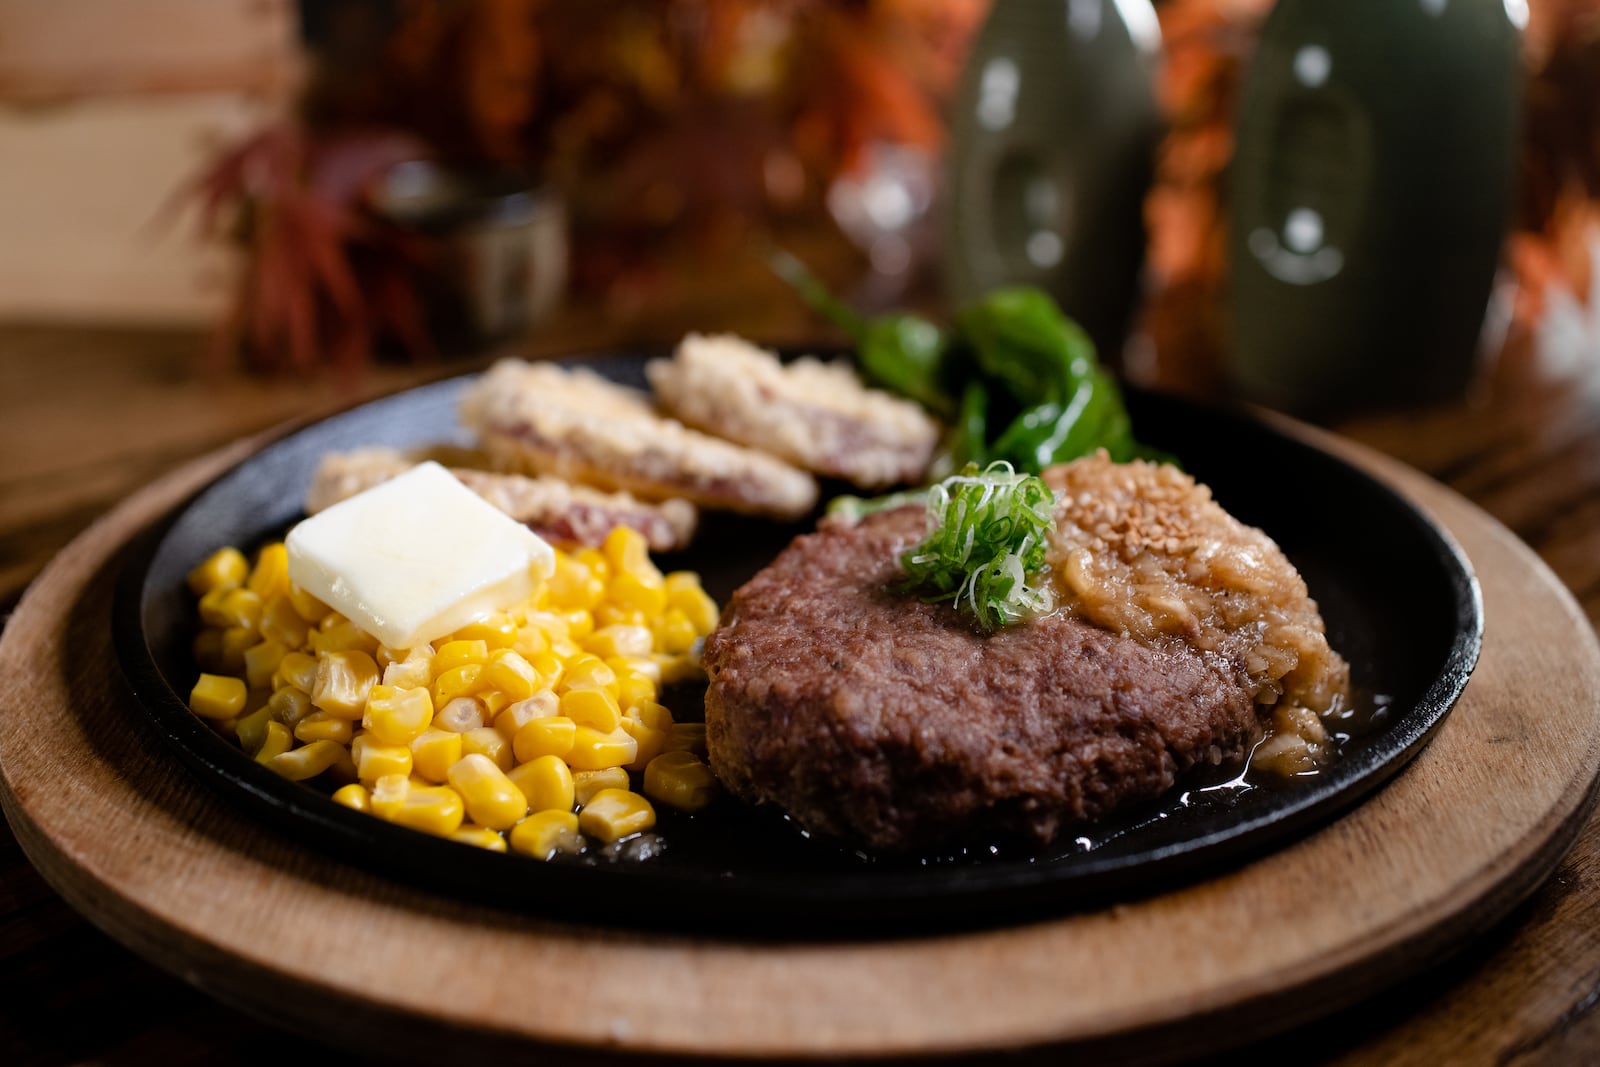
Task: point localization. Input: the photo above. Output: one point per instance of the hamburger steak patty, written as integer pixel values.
(873, 717)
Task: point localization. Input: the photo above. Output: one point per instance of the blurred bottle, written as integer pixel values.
(1369, 194)
(1052, 147)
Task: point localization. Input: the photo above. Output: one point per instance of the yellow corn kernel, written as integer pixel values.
(207, 649)
(486, 741)
(223, 569)
(280, 623)
(550, 623)
(634, 688)
(375, 760)
(343, 681)
(480, 837)
(275, 741)
(296, 669)
(585, 784)
(261, 662)
(587, 672)
(580, 624)
(433, 809)
(530, 642)
(687, 737)
(412, 670)
(573, 585)
(515, 716)
(595, 559)
(674, 632)
(307, 606)
(289, 705)
(546, 783)
(613, 814)
(353, 796)
(387, 795)
(564, 649)
(632, 591)
(453, 654)
(494, 702)
(681, 668)
(655, 716)
(545, 833)
(679, 583)
(498, 630)
(685, 595)
(235, 639)
(395, 715)
(217, 696)
(460, 715)
(434, 752)
(307, 761)
(645, 665)
(320, 726)
(595, 750)
(550, 735)
(609, 614)
(511, 674)
(609, 642)
(251, 729)
(490, 797)
(461, 681)
(680, 780)
(338, 634)
(550, 667)
(270, 576)
(651, 743)
(596, 708)
(627, 551)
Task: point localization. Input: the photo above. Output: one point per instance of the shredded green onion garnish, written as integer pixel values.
(852, 509)
(985, 544)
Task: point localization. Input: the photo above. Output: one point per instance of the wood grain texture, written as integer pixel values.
(1448, 848)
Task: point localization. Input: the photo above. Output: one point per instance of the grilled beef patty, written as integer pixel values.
(878, 719)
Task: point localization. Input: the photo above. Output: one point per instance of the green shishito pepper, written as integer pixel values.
(903, 353)
(1017, 379)
(1021, 342)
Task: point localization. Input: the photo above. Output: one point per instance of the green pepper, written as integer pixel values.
(1070, 406)
(903, 353)
(1013, 357)
(1020, 339)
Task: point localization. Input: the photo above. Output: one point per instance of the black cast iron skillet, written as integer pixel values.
(1400, 602)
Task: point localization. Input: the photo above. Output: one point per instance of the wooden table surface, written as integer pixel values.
(86, 415)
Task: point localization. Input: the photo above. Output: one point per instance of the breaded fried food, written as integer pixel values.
(539, 418)
(815, 414)
(552, 508)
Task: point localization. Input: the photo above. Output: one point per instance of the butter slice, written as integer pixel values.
(417, 557)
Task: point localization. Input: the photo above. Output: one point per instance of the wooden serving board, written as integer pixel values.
(149, 854)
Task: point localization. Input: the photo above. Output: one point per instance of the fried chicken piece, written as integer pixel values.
(814, 414)
(540, 418)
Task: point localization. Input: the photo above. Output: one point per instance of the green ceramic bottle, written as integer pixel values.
(1053, 138)
(1369, 195)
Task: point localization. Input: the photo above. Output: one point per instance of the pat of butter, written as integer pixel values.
(417, 557)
